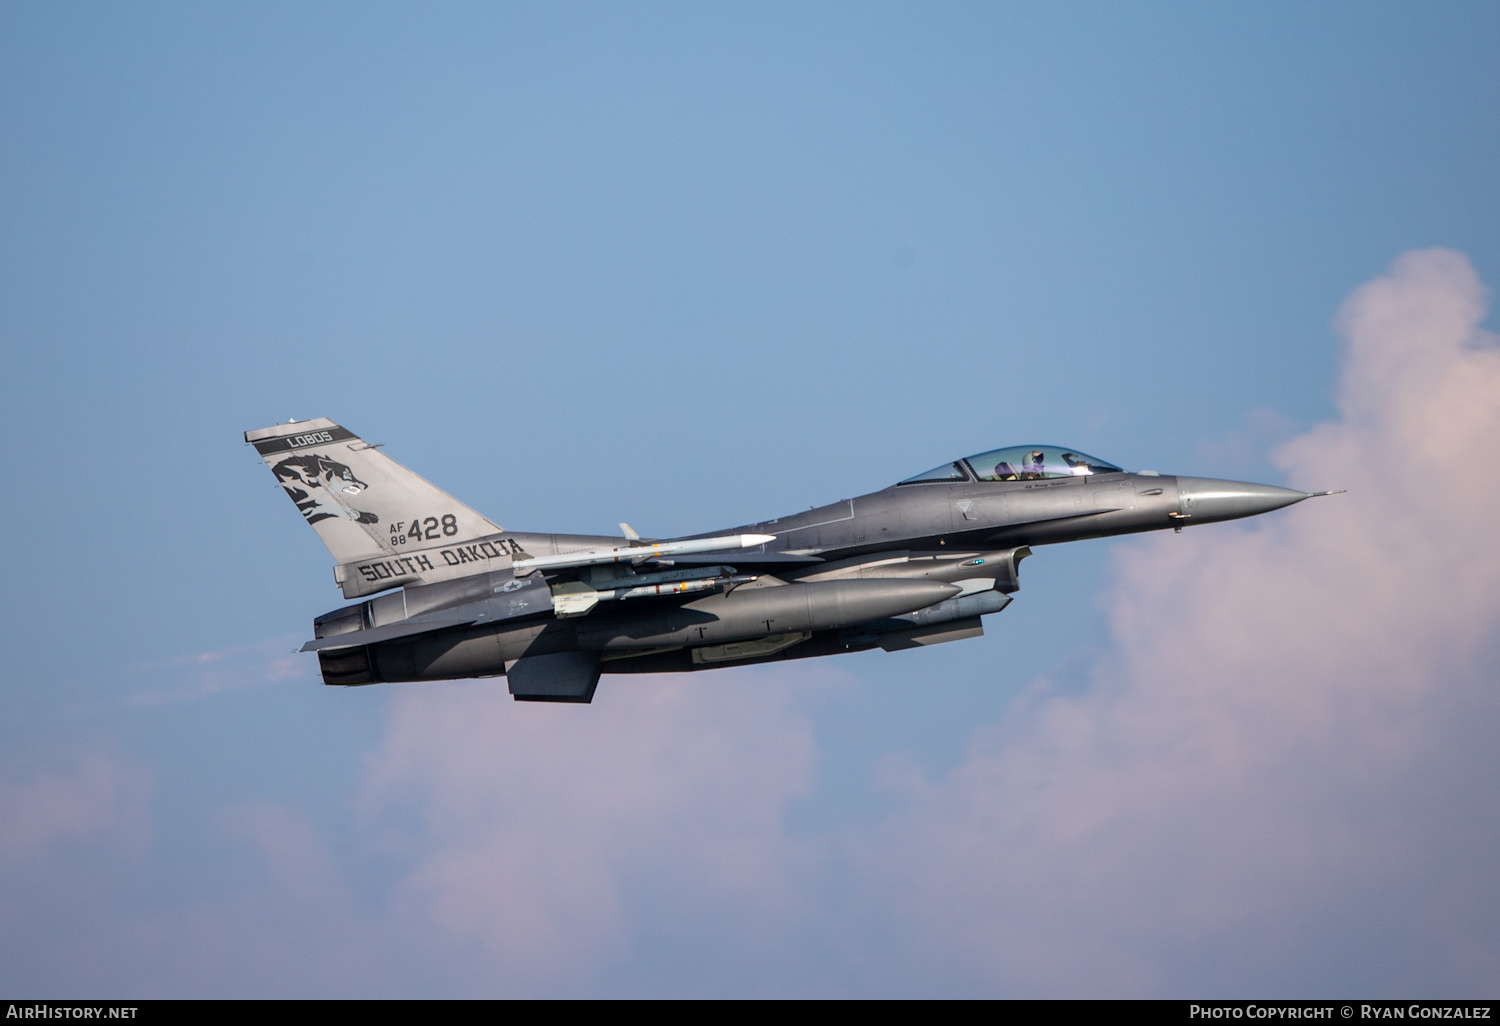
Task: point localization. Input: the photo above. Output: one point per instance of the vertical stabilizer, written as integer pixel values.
(362, 503)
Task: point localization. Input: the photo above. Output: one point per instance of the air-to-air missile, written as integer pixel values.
(919, 563)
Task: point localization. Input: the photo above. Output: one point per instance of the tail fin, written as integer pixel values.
(362, 503)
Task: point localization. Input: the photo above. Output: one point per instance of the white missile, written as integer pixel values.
(639, 553)
(579, 599)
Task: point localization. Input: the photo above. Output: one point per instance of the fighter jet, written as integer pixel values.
(919, 563)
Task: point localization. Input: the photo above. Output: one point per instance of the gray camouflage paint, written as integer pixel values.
(918, 563)
(887, 542)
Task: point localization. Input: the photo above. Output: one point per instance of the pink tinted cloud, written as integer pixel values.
(100, 800)
(1280, 778)
(1283, 773)
(292, 928)
(544, 833)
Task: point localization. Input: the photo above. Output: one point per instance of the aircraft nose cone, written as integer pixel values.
(1205, 499)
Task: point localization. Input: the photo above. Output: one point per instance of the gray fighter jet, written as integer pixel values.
(918, 563)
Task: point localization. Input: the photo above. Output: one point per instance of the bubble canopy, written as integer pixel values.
(1018, 463)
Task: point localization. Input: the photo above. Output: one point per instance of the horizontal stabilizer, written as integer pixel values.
(390, 632)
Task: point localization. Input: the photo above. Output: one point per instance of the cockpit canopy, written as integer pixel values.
(1018, 463)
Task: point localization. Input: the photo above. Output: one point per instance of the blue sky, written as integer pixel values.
(689, 266)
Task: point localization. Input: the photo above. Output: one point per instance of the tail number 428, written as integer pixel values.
(424, 529)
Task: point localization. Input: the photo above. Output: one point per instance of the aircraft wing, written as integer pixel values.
(390, 632)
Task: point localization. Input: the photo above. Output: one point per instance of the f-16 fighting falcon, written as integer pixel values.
(918, 563)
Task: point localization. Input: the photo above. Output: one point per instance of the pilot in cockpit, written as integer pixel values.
(1033, 468)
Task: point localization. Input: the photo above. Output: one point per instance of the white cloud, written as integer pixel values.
(294, 928)
(99, 800)
(1241, 454)
(547, 833)
(1282, 777)
(66, 836)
